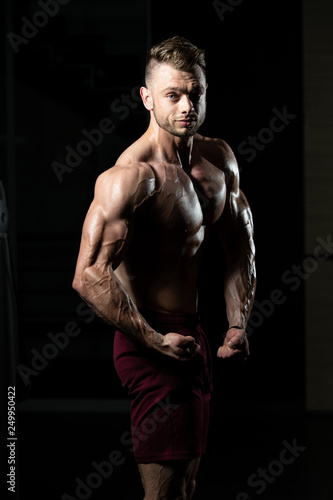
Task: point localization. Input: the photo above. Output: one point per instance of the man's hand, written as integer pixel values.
(179, 347)
(235, 344)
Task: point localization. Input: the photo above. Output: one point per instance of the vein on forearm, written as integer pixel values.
(105, 294)
(240, 281)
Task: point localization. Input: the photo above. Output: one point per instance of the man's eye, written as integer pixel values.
(171, 96)
(196, 96)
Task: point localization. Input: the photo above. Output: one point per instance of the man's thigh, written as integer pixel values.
(171, 480)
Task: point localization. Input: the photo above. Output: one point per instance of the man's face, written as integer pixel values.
(179, 99)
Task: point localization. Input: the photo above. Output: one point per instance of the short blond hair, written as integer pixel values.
(177, 51)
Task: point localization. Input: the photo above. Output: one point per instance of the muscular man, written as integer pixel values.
(138, 267)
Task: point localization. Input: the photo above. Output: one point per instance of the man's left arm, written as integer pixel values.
(235, 228)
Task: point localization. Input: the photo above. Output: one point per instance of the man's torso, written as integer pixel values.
(160, 269)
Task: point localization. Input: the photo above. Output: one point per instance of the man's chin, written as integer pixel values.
(184, 132)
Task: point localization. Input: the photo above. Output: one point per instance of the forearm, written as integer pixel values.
(239, 290)
(106, 296)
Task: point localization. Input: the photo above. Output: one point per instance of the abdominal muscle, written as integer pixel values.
(163, 277)
(169, 292)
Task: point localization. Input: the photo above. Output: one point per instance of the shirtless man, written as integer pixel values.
(138, 267)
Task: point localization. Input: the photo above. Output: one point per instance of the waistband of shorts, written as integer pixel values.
(176, 319)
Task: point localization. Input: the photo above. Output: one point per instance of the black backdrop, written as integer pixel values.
(79, 72)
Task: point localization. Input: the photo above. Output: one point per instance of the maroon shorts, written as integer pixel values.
(170, 399)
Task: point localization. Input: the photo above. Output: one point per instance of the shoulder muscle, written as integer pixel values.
(122, 190)
(228, 163)
(221, 155)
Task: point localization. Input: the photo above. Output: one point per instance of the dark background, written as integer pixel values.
(69, 76)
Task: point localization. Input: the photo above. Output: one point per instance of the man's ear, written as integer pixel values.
(146, 98)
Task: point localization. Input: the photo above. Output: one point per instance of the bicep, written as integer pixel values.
(103, 236)
(105, 231)
(103, 241)
(240, 213)
(236, 222)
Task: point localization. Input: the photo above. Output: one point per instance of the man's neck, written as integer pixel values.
(170, 148)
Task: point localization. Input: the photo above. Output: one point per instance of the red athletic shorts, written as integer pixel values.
(169, 399)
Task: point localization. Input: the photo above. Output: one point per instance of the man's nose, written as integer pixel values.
(186, 105)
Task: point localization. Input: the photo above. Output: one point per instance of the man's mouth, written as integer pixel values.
(186, 122)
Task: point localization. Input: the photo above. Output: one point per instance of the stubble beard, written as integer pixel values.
(179, 132)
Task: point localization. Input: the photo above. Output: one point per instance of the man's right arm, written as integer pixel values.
(106, 233)
(120, 193)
